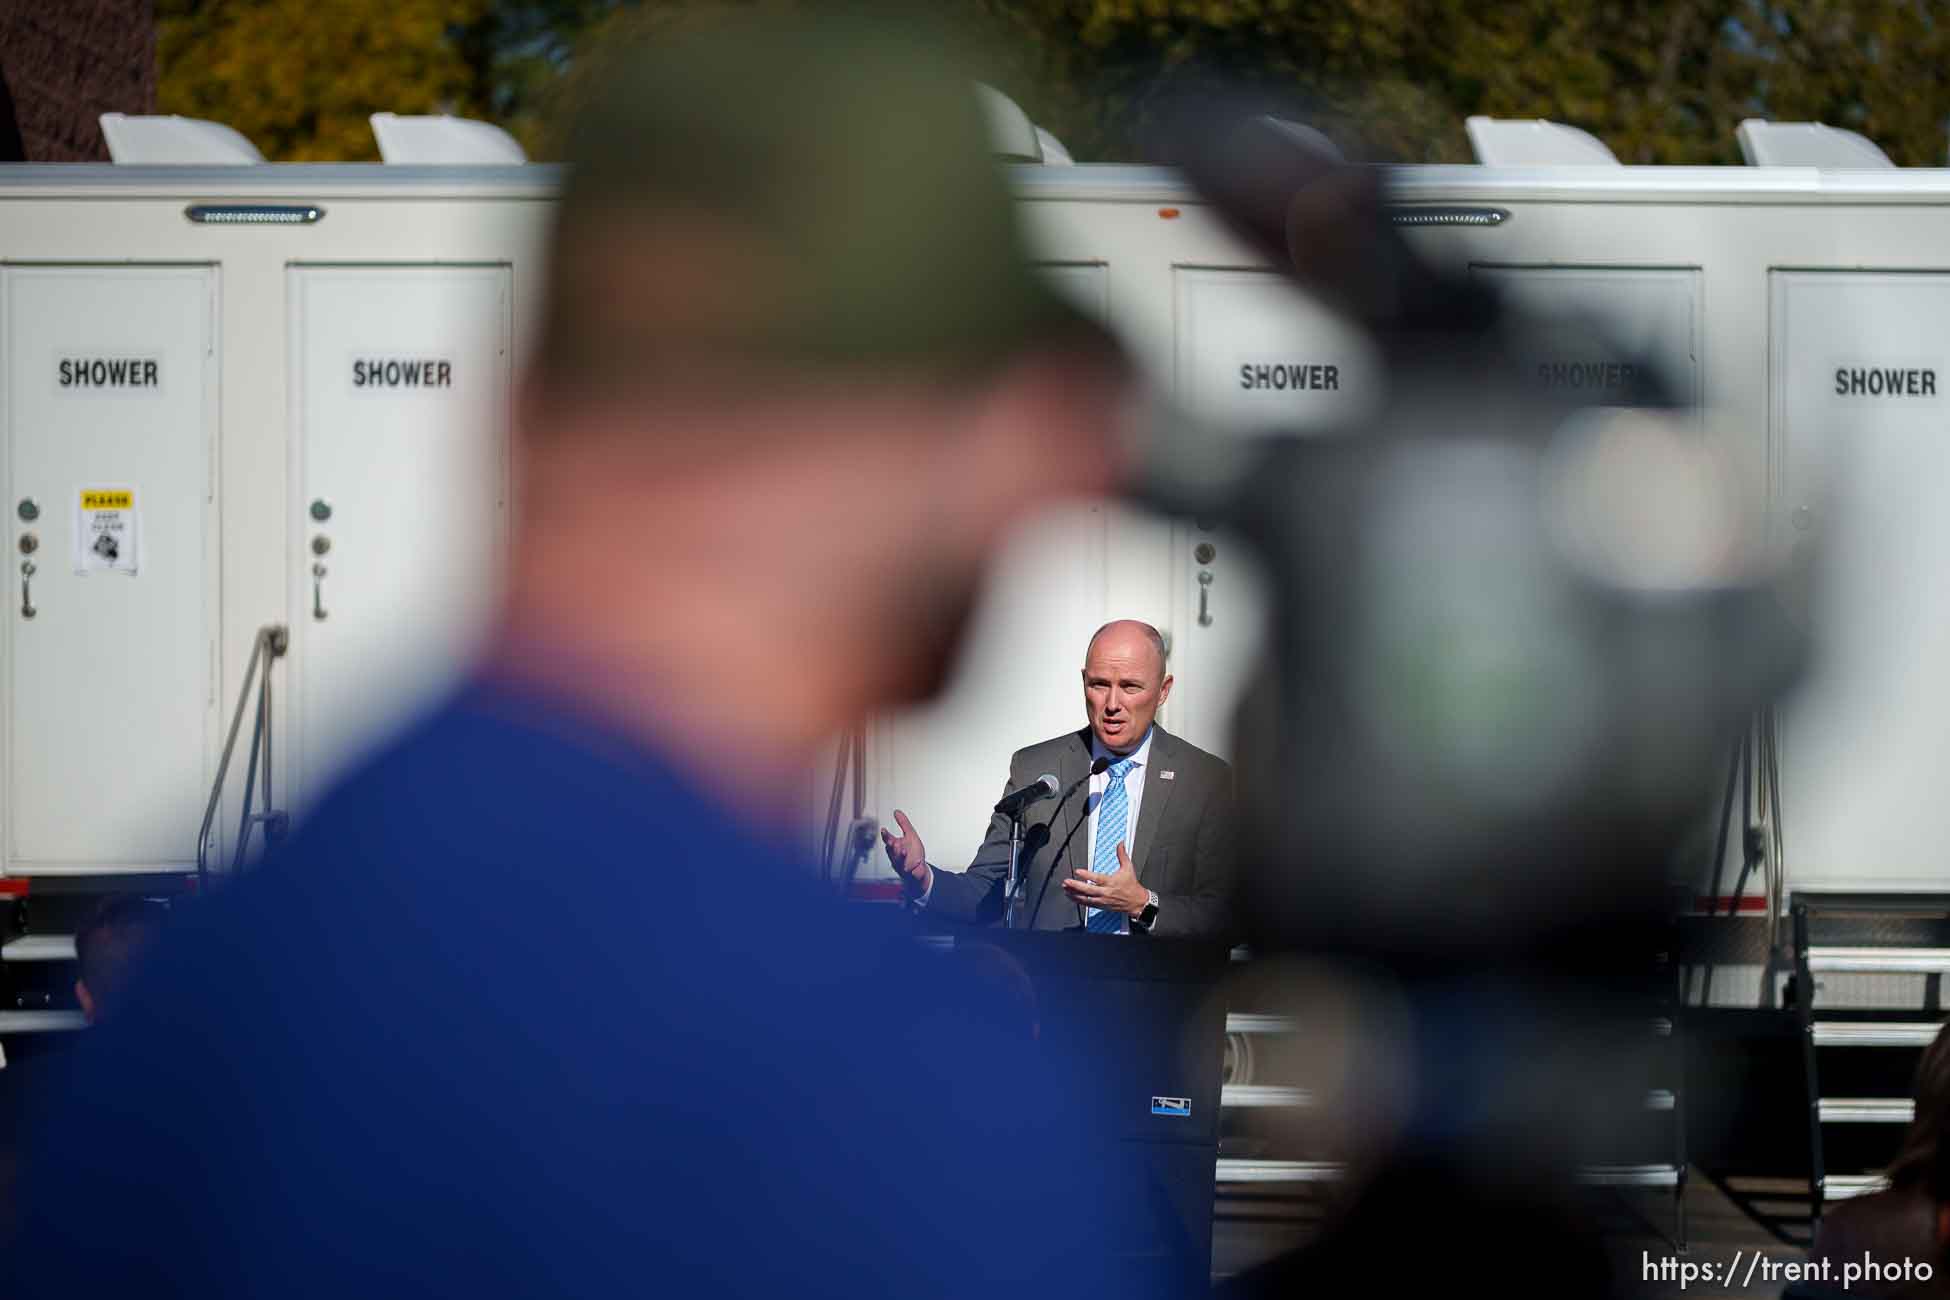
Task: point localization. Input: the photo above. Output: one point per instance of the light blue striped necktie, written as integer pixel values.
(1113, 814)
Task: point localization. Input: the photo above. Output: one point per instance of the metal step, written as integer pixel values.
(1323, 1171)
(1880, 961)
(1840, 1187)
(1246, 1022)
(1280, 1171)
(1869, 1033)
(1867, 1110)
(39, 947)
(1243, 1095)
(1630, 1175)
(1839, 901)
(40, 1022)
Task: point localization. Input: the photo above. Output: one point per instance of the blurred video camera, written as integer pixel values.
(1513, 635)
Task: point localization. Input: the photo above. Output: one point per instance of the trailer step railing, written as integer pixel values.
(269, 646)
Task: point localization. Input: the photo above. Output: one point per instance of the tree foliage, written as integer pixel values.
(1661, 81)
(300, 77)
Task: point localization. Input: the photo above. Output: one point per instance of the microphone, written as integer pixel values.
(1016, 800)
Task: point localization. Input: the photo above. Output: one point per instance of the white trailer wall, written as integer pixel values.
(1859, 747)
(1731, 269)
(463, 245)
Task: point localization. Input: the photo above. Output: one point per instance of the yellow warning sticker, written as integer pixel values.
(107, 531)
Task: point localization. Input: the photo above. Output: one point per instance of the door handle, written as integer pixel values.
(26, 589)
(318, 593)
(1204, 590)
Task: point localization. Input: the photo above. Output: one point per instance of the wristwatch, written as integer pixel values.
(1144, 918)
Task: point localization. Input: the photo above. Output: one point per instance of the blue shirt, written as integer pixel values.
(520, 1011)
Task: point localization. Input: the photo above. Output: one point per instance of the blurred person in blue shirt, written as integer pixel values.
(540, 1000)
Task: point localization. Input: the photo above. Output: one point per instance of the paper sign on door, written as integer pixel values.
(107, 531)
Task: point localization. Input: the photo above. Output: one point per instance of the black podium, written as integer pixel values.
(1145, 1020)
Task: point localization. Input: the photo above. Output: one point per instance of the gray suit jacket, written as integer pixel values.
(1183, 848)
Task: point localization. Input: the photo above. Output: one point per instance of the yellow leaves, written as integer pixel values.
(300, 77)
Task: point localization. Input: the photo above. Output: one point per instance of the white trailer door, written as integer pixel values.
(1652, 314)
(1254, 357)
(111, 382)
(400, 382)
(1860, 364)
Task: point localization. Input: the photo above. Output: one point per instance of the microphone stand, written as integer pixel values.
(1011, 894)
(860, 837)
(1027, 846)
(1017, 881)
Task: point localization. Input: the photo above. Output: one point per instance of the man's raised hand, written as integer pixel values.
(1118, 891)
(908, 856)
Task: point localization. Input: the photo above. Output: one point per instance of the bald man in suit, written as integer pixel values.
(1141, 845)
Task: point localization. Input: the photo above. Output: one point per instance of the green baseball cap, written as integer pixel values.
(772, 188)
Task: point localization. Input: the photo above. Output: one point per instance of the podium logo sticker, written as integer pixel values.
(1180, 1106)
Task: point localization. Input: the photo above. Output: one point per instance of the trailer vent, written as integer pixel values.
(151, 139)
(1448, 216)
(253, 214)
(1806, 144)
(1507, 143)
(1012, 136)
(441, 139)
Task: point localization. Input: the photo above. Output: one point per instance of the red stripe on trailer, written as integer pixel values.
(15, 888)
(1726, 903)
